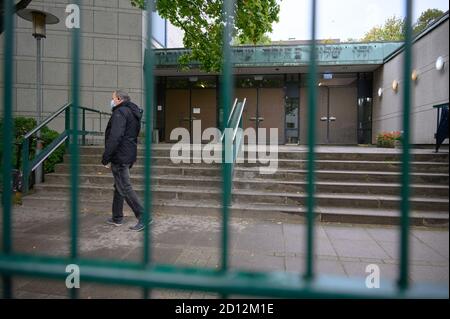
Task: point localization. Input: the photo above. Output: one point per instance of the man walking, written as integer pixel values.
(120, 153)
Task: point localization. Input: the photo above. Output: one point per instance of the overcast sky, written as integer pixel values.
(342, 19)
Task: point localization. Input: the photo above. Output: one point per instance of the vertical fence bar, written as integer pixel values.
(312, 98)
(149, 93)
(406, 156)
(226, 98)
(7, 136)
(74, 147)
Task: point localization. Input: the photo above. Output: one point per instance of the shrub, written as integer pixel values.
(22, 125)
(388, 139)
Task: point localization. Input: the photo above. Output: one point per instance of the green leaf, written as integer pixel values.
(201, 21)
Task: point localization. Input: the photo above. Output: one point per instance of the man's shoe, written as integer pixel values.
(116, 223)
(140, 226)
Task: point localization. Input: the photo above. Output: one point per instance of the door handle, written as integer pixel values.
(187, 119)
(323, 118)
(332, 119)
(259, 119)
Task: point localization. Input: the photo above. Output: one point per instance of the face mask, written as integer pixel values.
(112, 104)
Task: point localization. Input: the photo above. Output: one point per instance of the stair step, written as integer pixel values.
(251, 196)
(342, 175)
(322, 213)
(280, 174)
(436, 167)
(258, 184)
(300, 152)
(181, 170)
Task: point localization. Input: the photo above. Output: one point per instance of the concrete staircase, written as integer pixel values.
(357, 187)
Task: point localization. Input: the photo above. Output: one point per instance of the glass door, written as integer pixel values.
(292, 120)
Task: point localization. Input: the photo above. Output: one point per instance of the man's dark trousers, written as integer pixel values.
(124, 191)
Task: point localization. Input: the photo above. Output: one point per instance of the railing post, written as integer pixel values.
(25, 165)
(83, 127)
(67, 126)
(100, 121)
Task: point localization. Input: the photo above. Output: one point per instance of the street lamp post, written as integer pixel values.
(39, 19)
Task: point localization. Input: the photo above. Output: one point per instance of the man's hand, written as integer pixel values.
(108, 166)
(105, 162)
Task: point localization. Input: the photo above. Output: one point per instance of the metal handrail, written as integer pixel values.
(47, 120)
(231, 116)
(239, 118)
(48, 151)
(232, 110)
(29, 166)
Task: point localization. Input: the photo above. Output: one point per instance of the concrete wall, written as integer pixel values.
(111, 58)
(431, 88)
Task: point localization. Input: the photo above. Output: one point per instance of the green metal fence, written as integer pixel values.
(225, 281)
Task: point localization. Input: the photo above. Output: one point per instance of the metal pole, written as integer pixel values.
(312, 104)
(74, 148)
(403, 280)
(8, 127)
(38, 106)
(149, 106)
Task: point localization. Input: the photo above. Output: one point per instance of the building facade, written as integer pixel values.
(113, 40)
(273, 79)
(429, 89)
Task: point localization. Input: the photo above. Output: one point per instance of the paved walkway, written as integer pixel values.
(270, 243)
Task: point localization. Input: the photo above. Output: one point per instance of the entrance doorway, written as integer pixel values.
(264, 106)
(336, 110)
(188, 100)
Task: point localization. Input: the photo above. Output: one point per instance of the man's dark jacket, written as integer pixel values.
(121, 134)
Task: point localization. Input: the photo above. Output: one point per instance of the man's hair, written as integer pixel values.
(122, 95)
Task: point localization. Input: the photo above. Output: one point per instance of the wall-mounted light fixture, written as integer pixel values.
(395, 86)
(259, 77)
(414, 75)
(440, 63)
(193, 79)
(380, 92)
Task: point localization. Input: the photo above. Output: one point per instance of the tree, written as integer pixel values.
(392, 30)
(22, 4)
(426, 19)
(265, 39)
(201, 21)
